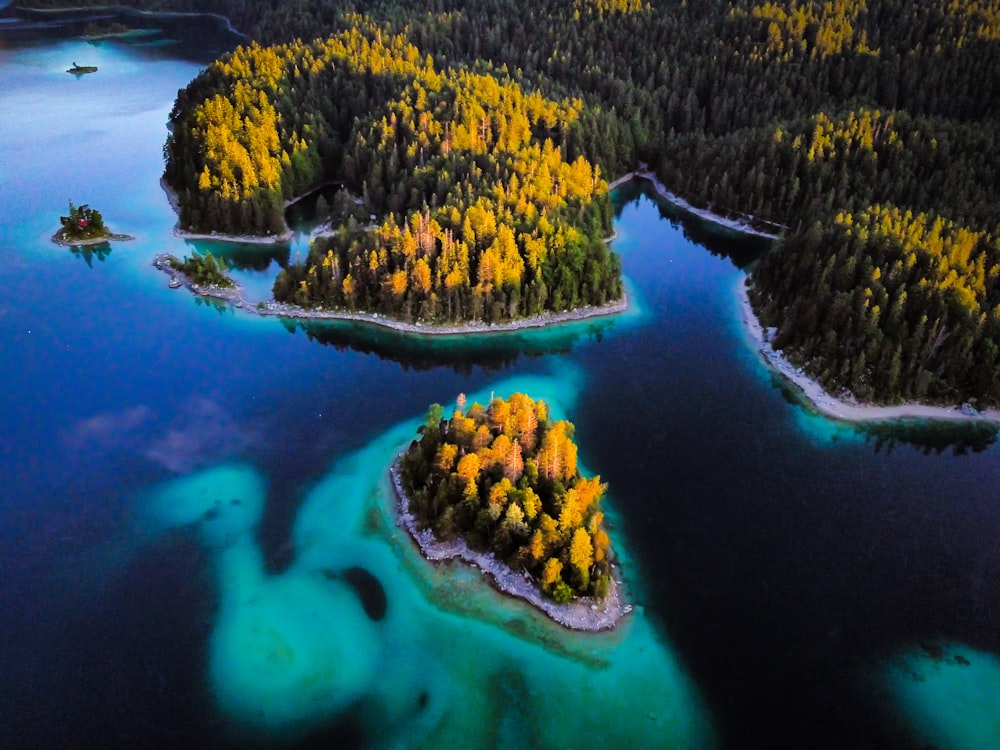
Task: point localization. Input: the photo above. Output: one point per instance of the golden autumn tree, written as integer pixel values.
(446, 457)
(551, 573)
(508, 479)
(557, 455)
(581, 555)
(468, 467)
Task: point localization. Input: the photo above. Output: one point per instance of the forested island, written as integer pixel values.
(204, 271)
(867, 130)
(84, 225)
(503, 479)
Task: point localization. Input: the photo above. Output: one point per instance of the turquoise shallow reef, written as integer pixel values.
(292, 652)
(943, 694)
(197, 542)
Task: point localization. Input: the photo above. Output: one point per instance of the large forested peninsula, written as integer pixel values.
(504, 478)
(868, 131)
(480, 216)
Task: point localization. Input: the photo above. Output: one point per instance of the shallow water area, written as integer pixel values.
(944, 695)
(290, 652)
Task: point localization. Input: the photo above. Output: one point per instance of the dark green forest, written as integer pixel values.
(205, 270)
(81, 223)
(867, 130)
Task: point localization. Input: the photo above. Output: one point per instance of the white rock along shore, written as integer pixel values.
(234, 296)
(583, 614)
(838, 408)
(59, 240)
(742, 226)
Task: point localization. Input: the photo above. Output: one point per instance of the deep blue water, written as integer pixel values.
(779, 559)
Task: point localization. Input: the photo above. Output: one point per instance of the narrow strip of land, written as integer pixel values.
(235, 297)
(584, 614)
(60, 240)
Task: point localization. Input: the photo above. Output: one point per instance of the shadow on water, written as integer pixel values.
(462, 353)
(220, 306)
(201, 42)
(89, 252)
(739, 248)
(930, 437)
(247, 256)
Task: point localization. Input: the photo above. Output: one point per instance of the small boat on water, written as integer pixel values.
(79, 70)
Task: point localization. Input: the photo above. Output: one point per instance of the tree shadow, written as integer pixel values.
(740, 248)
(462, 353)
(928, 437)
(89, 252)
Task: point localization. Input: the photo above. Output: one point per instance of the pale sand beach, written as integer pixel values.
(832, 406)
(583, 614)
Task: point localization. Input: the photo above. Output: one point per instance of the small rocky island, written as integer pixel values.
(85, 226)
(203, 274)
(498, 486)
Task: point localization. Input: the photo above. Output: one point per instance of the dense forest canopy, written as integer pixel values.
(82, 223)
(481, 216)
(820, 117)
(504, 477)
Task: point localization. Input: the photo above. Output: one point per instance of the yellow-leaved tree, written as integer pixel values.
(551, 573)
(581, 555)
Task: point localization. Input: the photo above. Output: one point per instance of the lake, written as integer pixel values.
(197, 541)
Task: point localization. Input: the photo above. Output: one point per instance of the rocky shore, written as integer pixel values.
(842, 408)
(741, 225)
(58, 239)
(234, 296)
(589, 615)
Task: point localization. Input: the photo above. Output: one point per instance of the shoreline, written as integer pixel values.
(831, 406)
(234, 296)
(584, 614)
(247, 239)
(814, 393)
(92, 241)
(130, 34)
(739, 225)
(166, 13)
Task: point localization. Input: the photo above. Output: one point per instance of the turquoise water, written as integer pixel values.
(291, 652)
(944, 694)
(196, 534)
